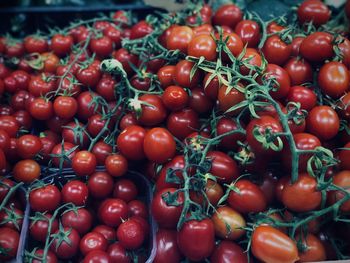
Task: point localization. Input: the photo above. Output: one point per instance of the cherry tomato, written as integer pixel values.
(228, 15)
(117, 253)
(9, 240)
(84, 163)
(80, 220)
(249, 32)
(69, 246)
(92, 241)
(10, 125)
(165, 75)
(50, 257)
(140, 30)
(229, 97)
(323, 122)
(251, 58)
(26, 171)
(305, 96)
(89, 76)
(100, 185)
(276, 51)
(182, 74)
(74, 133)
(341, 179)
(223, 167)
(282, 78)
(101, 150)
(138, 208)
(167, 248)
(125, 189)
(61, 45)
(130, 142)
(60, 150)
(130, 234)
(65, 107)
(28, 146)
(124, 57)
(112, 212)
(317, 47)
(202, 45)
(334, 79)
(41, 109)
(228, 251)
(116, 165)
(299, 71)
(175, 98)
(46, 198)
(153, 114)
(199, 101)
(179, 38)
(107, 232)
(314, 11)
(182, 123)
(315, 250)
(75, 192)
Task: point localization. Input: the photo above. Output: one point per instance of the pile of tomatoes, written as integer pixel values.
(241, 124)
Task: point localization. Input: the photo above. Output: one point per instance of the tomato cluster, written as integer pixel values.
(100, 219)
(242, 125)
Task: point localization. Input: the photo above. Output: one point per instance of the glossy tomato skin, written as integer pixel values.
(50, 257)
(97, 256)
(227, 15)
(234, 44)
(282, 78)
(101, 150)
(167, 248)
(41, 109)
(199, 101)
(46, 198)
(202, 45)
(166, 216)
(86, 108)
(159, 145)
(138, 208)
(57, 151)
(250, 199)
(117, 253)
(80, 220)
(175, 98)
(182, 123)
(271, 245)
(196, 239)
(302, 196)
(182, 74)
(276, 51)
(10, 125)
(61, 44)
(178, 163)
(28, 146)
(299, 71)
(228, 142)
(66, 250)
(124, 57)
(228, 223)
(152, 115)
(315, 250)
(107, 231)
(165, 75)
(303, 95)
(84, 163)
(314, 11)
(130, 234)
(249, 32)
(9, 240)
(116, 165)
(65, 107)
(75, 192)
(341, 179)
(102, 47)
(73, 133)
(92, 241)
(112, 211)
(130, 142)
(223, 167)
(317, 47)
(26, 171)
(125, 189)
(323, 122)
(334, 79)
(228, 251)
(179, 38)
(229, 98)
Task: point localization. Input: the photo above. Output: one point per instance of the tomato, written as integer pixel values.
(154, 114)
(211, 88)
(28, 146)
(117, 253)
(124, 57)
(303, 141)
(302, 196)
(41, 85)
(4, 71)
(282, 78)
(12, 218)
(102, 47)
(38, 229)
(175, 98)
(228, 15)
(75, 192)
(299, 71)
(317, 47)
(26, 171)
(223, 167)
(15, 49)
(92, 241)
(125, 189)
(228, 251)
(323, 122)
(182, 123)
(229, 142)
(51, 62)
(5, 185)
(202, 45)
(112, 212)
(97, 256)
(314, 249)
(89, 76)
(114, 34)
(159, 145)
(251, 58)
(140, 30)
(249, 32)
(305, 96)
(249, 199)
(100, 185)
(230, 97)
(107, 232)
(341, 179)
(65, 107)
(101, 150)
(271, 245)
(80, 220)
(144, 224)
(84, 163)
(69, 246)
(41, 109)
(213, 191)
(96, 124)
(179, 38)
(228, 223)
(334, 79)
(50, 257)
(130, 234)
(74, 133)
(130, 142)
(10, 125)
(199, 101)
(138, 208)
(24, 119)
(61, 45)
(314, 11)
(276, 51)
(196, 239)
(182, 74)
(18, 99)
(166, 216)
(116, 165)
(177, 163)
(165, 75)
(265, 122)
(60, 150)
(46, 198)
(167, 248)
(9, 240)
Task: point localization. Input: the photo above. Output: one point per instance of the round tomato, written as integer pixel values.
(179, 38)
(101, 150)
(314, 11)
(10, 125)
(229, 97)
(41, 109)
(38, 229)
(68, 246)
(61, 45)
(97, 256)
(175, 98)
(228, 15)
(50, 257)
(314, 249)
(125, 189)
(9, 240)
(165, 75)
(228, 251)
(107, 232)
(182, 74)
(75, 192)
(112, 212)
(223, 167)
(334, 79)
(45, 198)
(28, 146)
(229, 142)
(92, 241)
(100, 185)
(130, 142)
(60, 150)
(341, 179)
(80, 220)
(65, 107)
(276, 51)
(138, 208)
(249, 32)
(299, 71)
(130, 234)
(167, 248)
(317, 47)
(182, 123)
(202, 45)
(116, 165)
(323, 122)
(117, 253)
(26, 171)
(84, 163)
(154, 112)
(304, 96)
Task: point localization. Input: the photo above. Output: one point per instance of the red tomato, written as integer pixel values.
(228, 251)
(165, 75)
(251, 58)
(182, 123)
(334, 79)
(228, 15)
(299, 71)
(305, 96)
(223, 167)
(125, 189)
(117, 253)
(61, 149)
(100, 185)
(276, 51)
(89, 76)
(175, 98)
(283, 81)
(182, 74)
(179, 38)
(69, 246)
(10, 125)
(97, 256)
(229, 142)
(249, 199)
(46, 198)
(65, 107)
(107, 232)
(61, 45)
(202, 45)
(313, 11)
(124, 57)
(341, 179)
(41, 109)
(302, 196)
(50, 257)
(229, 98)
(138, 208)
(75, 192)
(178, 163)
(84, 163)
(271, 245)
(116, 165)
(317, 47)
(130, 234)
(140, 30)
(130, 142)
(28, 146)
(26, 171)
(196, 239)
(80, 220)
(9, 240)
(102, 47)
(154, 114)
(249, 32)
(199, 101)
(167, 248)
(323, 122)
(101, 150)
(166, 215)
(112, 212)
(92, 241)
(315, 250)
